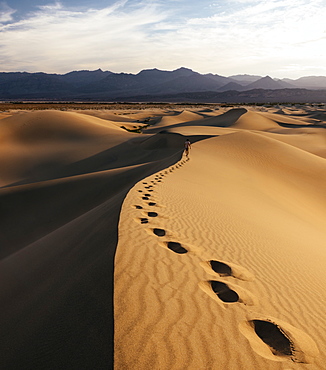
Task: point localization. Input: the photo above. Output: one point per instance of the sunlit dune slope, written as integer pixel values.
(116, 246)
(256, 208)
(36, 145)
(254, 121)
(175, 119)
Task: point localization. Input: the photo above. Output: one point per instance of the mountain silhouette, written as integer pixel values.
(150, 84)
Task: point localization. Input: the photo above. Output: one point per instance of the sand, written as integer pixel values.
(118, 251)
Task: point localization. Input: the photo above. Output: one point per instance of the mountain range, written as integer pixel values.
(155, 85)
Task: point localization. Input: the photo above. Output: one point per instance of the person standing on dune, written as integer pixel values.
(187, 147)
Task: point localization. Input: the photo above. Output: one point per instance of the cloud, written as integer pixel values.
(239, 36)
(57, 39)
(6, 13)
(262, 35)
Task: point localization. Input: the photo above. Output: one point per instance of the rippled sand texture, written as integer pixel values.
(220, 259)
(115, 246)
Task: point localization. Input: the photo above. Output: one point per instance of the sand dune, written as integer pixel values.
(66, 176)
(38, 144)
(119, 251)
(178, 118)
(216, 264)
(255, 121)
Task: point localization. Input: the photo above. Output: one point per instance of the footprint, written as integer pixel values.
(152, 204)
(147, 195)
(140, 191)
(223, 268)
(159, 232)
(145, 198)
(143, 220)
(138, 207)
(176, 247)
(152, 214)
(227, 293)
(279, 341)
(150, 190)
(273, 336)
(224, 292)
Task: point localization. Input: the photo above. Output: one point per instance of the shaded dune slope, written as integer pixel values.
(223, 120)
(206, 245)
(59, 232)
(297, 133)
(237, 118)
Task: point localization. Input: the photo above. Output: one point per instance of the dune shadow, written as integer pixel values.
(58, 270)
(136, 151)
(226, 119)
(293, 125)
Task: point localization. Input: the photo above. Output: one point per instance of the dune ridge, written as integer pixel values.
(64, 177)
(256, 207)
(118, 251)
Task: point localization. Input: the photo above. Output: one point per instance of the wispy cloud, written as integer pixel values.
(239, 36)
(6, 13)
(254, 36)
(55, 38)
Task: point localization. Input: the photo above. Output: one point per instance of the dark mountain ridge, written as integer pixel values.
(150, 83)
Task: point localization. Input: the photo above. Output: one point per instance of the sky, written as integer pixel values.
(279, 38)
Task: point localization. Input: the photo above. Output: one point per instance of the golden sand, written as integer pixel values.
(117, 246)
(250, 203)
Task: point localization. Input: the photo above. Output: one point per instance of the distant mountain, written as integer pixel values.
(262, 96)
(308, 82)
(219, 80)
(152, 83)
(32, 85)
(191, 82)
(245, 79)
(232, 86)
(268, 83)
(79, 78)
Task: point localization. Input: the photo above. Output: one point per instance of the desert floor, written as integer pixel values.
(118, 250)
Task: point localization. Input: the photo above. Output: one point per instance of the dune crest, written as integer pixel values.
(119, 251)
(246, 214)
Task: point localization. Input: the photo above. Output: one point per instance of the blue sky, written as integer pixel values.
(280, 38)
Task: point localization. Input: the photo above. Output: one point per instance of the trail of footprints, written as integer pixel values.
(284, 340)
